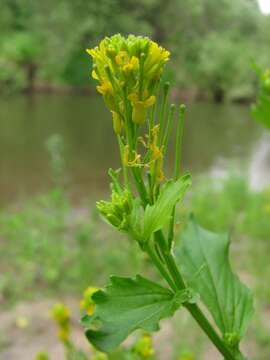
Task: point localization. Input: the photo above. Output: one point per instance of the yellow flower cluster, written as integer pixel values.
(128, 71)
(144, 346)
(61, 315)
(87, 302)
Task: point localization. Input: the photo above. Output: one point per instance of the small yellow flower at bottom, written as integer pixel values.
(187, 356)
(42, 356)
(22, 322)
(64, 333)
(61, 314)
(100, 356)
(87, 303)
(144, 346)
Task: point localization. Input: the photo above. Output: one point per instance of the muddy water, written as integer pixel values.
(216, 140)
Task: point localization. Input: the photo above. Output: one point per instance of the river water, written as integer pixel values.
(217, 139)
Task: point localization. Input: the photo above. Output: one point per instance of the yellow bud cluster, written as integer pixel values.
(128, 71)
(61, 314)
(144, 346)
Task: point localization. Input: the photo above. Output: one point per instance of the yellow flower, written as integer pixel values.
(136, 162)
(61, 314)
(94, 75)
(22, 322)
(132, 65)
(158, 54)
(144, 347)
(139, 107)
(92, 52)
(42, 356)
(156, 59)
(87, 303)
(128, 65)
(122, 58)
(105, 88)
(64, 333)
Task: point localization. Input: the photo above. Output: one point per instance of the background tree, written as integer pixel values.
(213, 42)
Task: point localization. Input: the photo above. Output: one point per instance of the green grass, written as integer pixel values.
(48, 248)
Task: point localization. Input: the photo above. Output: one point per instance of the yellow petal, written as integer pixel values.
(133, 97)
(150, 101)
(94, 75)
(121, 58)
(104, 88)
(134, 61)
(92, 52)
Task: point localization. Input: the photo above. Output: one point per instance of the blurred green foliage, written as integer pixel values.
(261, 110)
(212, 42)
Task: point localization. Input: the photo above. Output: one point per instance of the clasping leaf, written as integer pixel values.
(203, 257)
(158, 214)
(126, 305)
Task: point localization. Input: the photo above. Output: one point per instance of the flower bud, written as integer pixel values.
(117, 123)
(139, 113)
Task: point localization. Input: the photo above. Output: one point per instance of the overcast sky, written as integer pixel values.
(264, 6)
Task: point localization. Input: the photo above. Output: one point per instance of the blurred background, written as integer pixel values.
(56, 144)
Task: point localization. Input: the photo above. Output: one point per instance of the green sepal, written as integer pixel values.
(203, 257)
(128, 304)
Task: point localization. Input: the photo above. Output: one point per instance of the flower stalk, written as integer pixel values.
(143, 203)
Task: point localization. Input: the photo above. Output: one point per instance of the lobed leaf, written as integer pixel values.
(126, 305)
(204, 259)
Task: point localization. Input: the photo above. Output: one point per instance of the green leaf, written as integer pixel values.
(261, 111)
(126, 305)
(204, 259)
(158, 215)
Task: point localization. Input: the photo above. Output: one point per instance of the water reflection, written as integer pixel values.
(215, 137)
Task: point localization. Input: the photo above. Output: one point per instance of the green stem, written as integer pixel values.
(140, 185)
(171, 229)
(179, 136)
(125, 169)
(160, 267)
(178, 150)
(163, 109)
(193, 309)
(168, 129)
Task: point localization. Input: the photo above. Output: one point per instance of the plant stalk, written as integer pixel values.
(193, 309)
